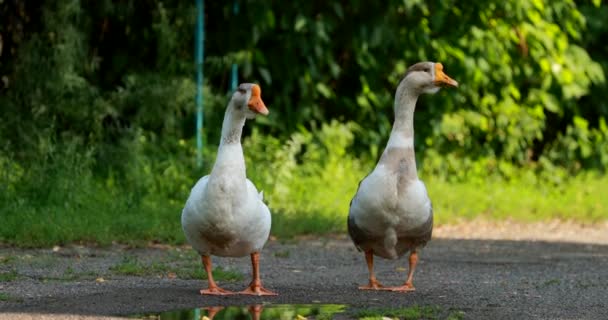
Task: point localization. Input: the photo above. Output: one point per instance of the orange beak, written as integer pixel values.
(255, 103)
(442, 79)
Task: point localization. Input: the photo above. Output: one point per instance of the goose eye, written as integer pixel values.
(427, 69)
(241, 90)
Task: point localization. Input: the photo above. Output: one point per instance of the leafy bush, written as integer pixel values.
(523, 70)
(308, 180)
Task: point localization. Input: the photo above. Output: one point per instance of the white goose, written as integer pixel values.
(391, 212)
(224, 215)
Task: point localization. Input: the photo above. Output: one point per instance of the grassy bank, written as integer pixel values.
(99, 215)
(579, 199)
(308, 182)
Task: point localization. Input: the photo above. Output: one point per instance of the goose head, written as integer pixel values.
(427, 77)
(247, 101)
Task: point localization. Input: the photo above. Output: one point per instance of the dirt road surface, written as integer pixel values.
(478, 279)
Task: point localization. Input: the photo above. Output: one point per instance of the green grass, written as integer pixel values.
(130, 266)
(42, 262)
(7, 259)
(455, 315)
(219, 273)
(184, 269)
(308, 183)
(578, 199)
(8, 276)
(549, 283)
(4, 296)
(62, 200)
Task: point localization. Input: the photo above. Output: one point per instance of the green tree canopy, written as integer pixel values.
(531, 74)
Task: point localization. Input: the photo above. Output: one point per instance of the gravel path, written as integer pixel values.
(478, 279)
(554, 231)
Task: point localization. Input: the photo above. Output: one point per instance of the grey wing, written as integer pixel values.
(356, 234)
(420, 236)
(429, 234)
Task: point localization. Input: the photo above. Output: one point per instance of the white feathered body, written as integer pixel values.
(224, 214)
(388, 221)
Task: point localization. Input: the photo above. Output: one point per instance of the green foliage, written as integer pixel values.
(60, 201)
(97, 123)
(516, 101)
(308, 180)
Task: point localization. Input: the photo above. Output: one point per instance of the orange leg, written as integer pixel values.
(408, 286)
(255, 311)
(373, 283)
(213, 288)
(212, 311)
(255, 288)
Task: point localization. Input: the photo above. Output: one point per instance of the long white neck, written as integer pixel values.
(230, 159)
(232, 127)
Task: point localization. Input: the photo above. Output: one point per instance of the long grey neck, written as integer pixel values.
(405, 104)
(232, 127)
(399, 157)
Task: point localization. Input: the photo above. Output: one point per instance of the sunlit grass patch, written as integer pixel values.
(577, 199)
